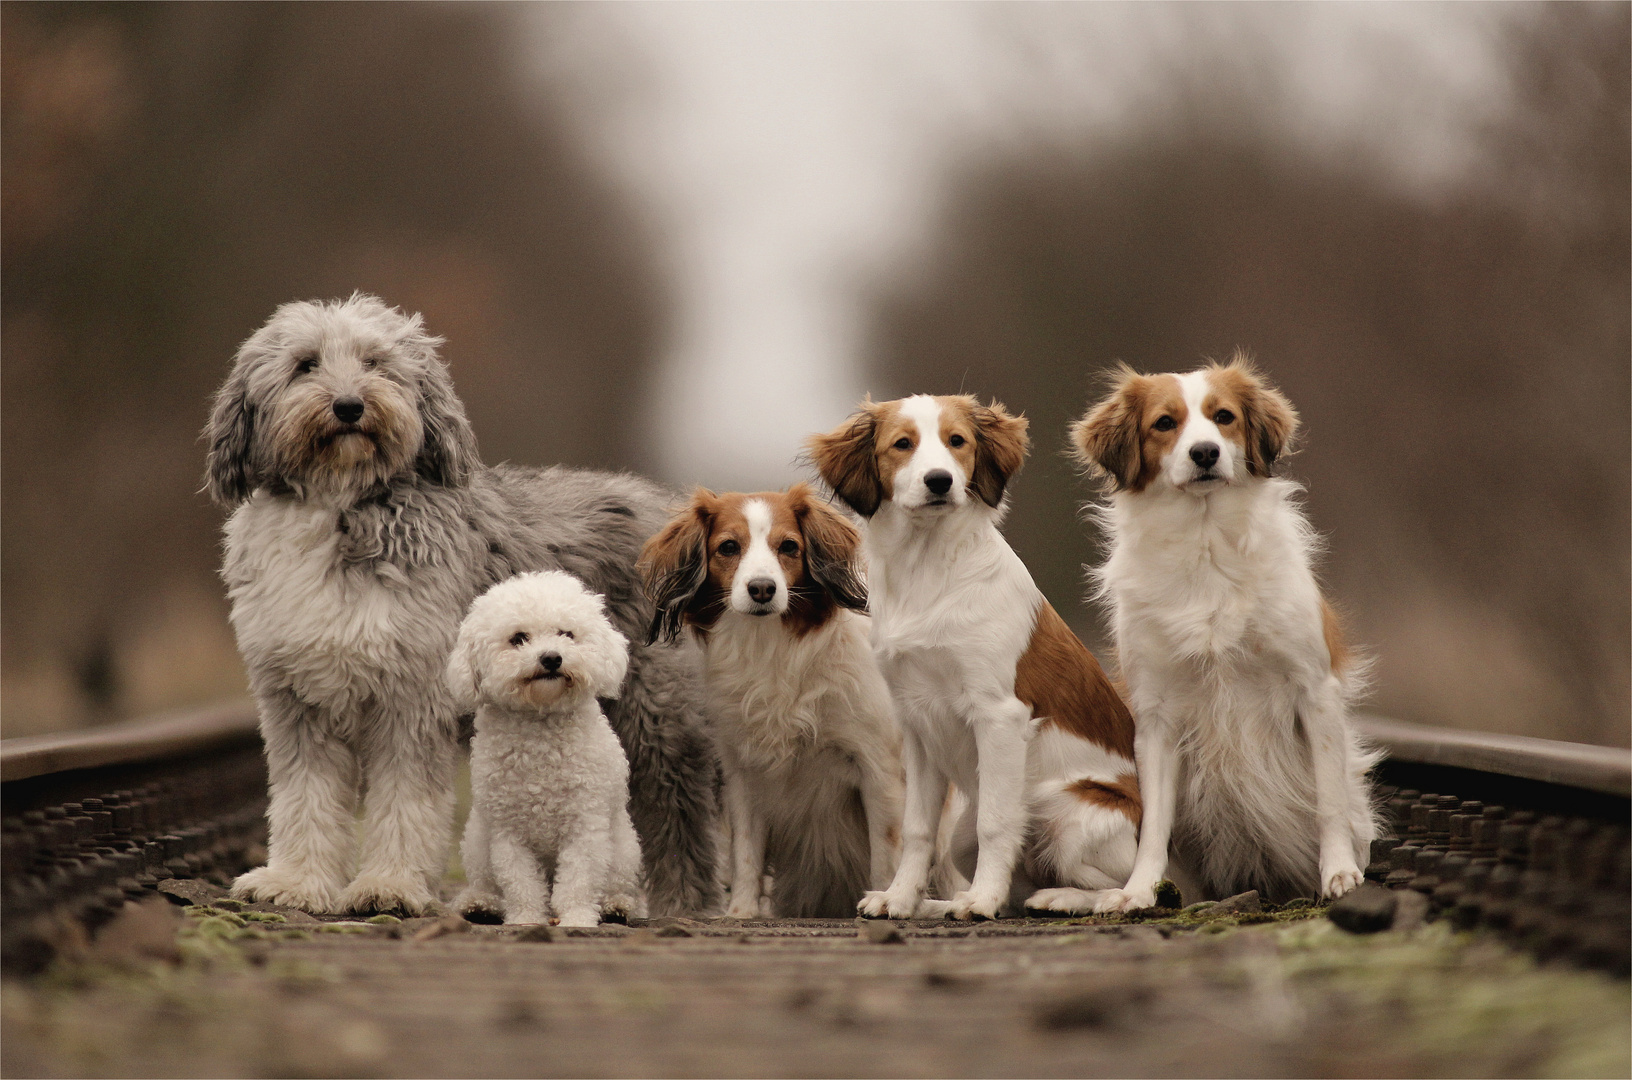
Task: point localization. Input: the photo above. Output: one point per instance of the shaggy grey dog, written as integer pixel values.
(363, 525)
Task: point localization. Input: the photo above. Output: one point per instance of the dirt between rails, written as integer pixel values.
(217, 989)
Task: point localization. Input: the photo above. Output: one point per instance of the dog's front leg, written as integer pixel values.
(1001, 737)
(1157, 760)
(747, 847)
(312, 795)
(481, 893)
(1323, 720)
(881, 802)
(408, 814)
(521, 879)
(926, 794)
(583, 872)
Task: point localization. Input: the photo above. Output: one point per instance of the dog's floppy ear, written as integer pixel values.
(846, 458)
(1108, 439)
(832, 548)
(229, 472)
(448, 454)
(1270, 420)
(1001, 444)
(463, 683)
(608, 663)
(674, 565)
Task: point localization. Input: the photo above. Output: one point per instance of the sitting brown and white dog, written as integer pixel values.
(993, 691)
(771, 586)
(1236, 669)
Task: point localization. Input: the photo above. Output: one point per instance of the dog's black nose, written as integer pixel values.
(762, 589)
(348, 410)
(1204, 454)
(938, 480)
(550, 661)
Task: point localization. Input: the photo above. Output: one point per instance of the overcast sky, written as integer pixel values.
(786, 155)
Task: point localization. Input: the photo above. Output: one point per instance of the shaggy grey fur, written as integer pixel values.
(423, 524)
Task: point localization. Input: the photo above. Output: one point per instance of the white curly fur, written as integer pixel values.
(549, 824)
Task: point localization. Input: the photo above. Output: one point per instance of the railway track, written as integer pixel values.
(1524, 842)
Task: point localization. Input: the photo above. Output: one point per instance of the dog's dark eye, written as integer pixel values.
(730, 547)
(519, 638)
(788, 547)
(371, 361)
(955, 441)
(1222, 417)
(903, 443)
(566, 634)
(306, 365)
(1166, 423)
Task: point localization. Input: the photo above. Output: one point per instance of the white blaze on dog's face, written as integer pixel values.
(537, 643)
(922, 453)
(1195, 432)
(759, 582)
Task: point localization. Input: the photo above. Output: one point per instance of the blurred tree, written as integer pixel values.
(1461, 359)
(175, 171)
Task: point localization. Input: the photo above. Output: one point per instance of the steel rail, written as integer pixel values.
(131, 742)
(1604, 769)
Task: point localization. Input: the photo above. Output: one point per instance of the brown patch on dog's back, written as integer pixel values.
(1121, 795)
(1337, 647)
(1063, 683)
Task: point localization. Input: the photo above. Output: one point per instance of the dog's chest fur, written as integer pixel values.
(335, 631)
(778, 697)
(536, 777)
(1217, 580)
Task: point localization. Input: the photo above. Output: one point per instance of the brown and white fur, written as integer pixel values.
(1235, 666)
(993, 691)
(772, 588)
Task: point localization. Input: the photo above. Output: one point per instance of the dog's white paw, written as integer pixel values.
(743, 907)
(376, 892)
(1336, 882)
(888, 904)
(972, 905)
(277, 885)
(527, 917)
(580, 916)
(1071, 901)
(1114, 900)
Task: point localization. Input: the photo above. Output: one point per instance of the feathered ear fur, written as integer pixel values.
(448, 454)
(229, 473)
(461, 679)
(1108, 440)
(1000, 450)
(846, 458)
(674, 565)
(832, 548)
(1270, 420)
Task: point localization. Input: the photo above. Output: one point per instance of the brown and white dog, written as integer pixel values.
(1235, 666)
(993, 691)
(771, 586)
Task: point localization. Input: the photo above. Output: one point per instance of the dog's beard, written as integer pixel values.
(546, 693)
(314, 450)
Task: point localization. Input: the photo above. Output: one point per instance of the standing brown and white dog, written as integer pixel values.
(994, 692)
(771, 586)
(1235, 666)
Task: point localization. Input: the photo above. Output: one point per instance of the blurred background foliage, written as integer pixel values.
(1461, 357)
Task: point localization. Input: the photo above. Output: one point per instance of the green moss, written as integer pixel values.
(265, 917)
(384, 920)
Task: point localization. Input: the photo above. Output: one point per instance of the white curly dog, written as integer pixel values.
(549, 780)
